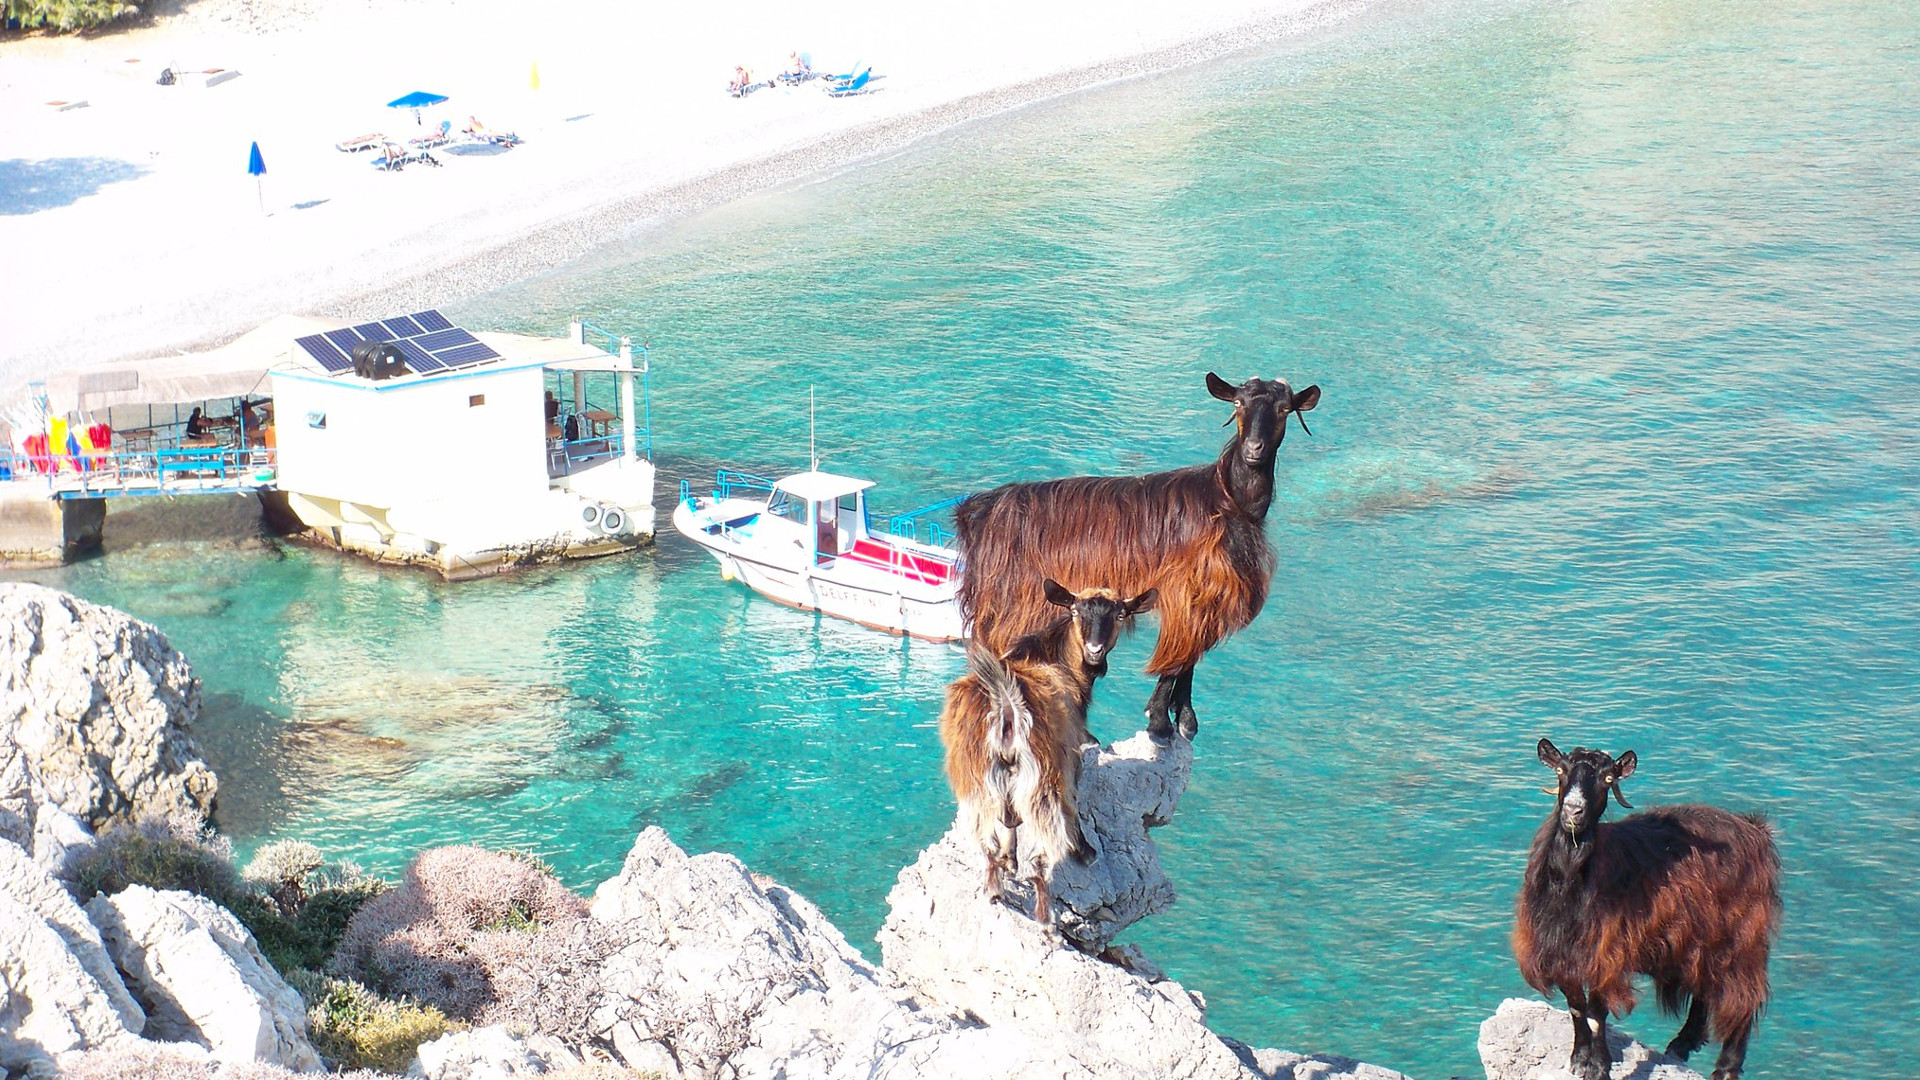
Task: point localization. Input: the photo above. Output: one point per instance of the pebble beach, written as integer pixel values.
(135, 230)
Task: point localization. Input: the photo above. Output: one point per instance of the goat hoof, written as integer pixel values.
(1189, 724)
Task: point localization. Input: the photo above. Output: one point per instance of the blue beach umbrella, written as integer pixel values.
(257, 168)
(416, 101)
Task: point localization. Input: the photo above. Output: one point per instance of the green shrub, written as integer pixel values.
(173, 852)
(297, 918)
(65, 14)
(355, 1028)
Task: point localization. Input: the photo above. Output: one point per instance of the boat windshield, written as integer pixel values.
(782, 505)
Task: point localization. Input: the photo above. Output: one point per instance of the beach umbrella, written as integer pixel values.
(257, 168)
(416, 101)
(533, 82)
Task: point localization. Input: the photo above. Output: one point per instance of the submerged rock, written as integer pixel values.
(202, 978)
(1531, 1040)
(95, 708)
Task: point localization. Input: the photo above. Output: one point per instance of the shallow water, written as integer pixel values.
(1613, 305)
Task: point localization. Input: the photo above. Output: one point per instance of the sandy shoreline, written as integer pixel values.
(180, 255)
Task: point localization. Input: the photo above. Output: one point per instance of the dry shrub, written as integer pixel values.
(419, 940)
(149, 1061)
(547, 981)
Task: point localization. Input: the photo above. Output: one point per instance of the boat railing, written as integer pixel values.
(164, 470)
(728, 481)
(907, 525)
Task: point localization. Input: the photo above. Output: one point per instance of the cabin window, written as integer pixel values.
(316, 420)
(474, 401)
(783, 505)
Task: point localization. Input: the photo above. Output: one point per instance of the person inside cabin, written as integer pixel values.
(553, 408)
(196, 425)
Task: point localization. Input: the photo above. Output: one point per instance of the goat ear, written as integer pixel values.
(1143, 602)
(1550, 756)
(1221, 388)
(1058, 595)
(1624, 764)
(1305, 400)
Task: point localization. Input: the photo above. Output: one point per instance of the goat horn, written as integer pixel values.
(1303, 423)
(1619, 798)
(1550, 791)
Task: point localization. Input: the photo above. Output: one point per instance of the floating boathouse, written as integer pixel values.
(408, 440)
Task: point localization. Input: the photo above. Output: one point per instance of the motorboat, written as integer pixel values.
(805, 541)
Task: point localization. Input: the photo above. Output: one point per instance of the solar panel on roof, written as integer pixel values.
(373, 331)
(329, 356)
(418, 359)
(463, 355)
(431, 320)
(447, 339)
(402, 327)
(345, 340)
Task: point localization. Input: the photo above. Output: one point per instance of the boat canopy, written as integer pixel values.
(821, 487)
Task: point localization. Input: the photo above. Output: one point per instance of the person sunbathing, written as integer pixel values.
(798, 70)
(742, 82)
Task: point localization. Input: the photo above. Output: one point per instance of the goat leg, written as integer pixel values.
(1042, 903)
(1692, 1033)
(1183, 705)
(1158, 725)
(1599, 1058)
(1733, 1051)
(1582, 1035)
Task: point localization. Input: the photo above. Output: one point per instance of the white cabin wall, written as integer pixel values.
(416, 442)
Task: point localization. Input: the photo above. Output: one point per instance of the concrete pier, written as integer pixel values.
(37, 530)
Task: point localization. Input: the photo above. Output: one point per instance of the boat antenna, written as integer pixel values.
(812, 454)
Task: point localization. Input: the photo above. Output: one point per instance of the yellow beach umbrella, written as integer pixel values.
(533, 81)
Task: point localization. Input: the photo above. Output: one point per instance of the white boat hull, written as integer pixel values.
(839, 587)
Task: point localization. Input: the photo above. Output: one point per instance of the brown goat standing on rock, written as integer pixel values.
(1689, 895)
(1013, 727)
(1197, 535)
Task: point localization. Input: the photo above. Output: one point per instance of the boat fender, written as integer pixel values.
(590, 514)
(726, 570)
(613, 520)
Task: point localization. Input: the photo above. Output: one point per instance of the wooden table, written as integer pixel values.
(597, 421)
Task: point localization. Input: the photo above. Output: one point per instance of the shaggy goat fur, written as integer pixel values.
(1689, 895)
(1197, 535)
(1013, 727)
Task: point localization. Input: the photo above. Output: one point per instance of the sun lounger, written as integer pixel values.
(371, 140)
(858, 85)
(436, 138)
(393, 157)
(486, 134)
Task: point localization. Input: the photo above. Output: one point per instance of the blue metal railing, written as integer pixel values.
(644, 356)
(907, 525)
(729, 480)
(178, 470)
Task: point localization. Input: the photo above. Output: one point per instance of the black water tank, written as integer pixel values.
(377, 360)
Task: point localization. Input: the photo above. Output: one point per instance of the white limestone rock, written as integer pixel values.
(30, 819)
(720, 969)
(202, 978)
(1531, 1040)
(96, 706)
(489, 1053)
(30, 885)
(49, 1002)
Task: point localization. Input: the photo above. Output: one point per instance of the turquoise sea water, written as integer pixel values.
(1614, 308)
